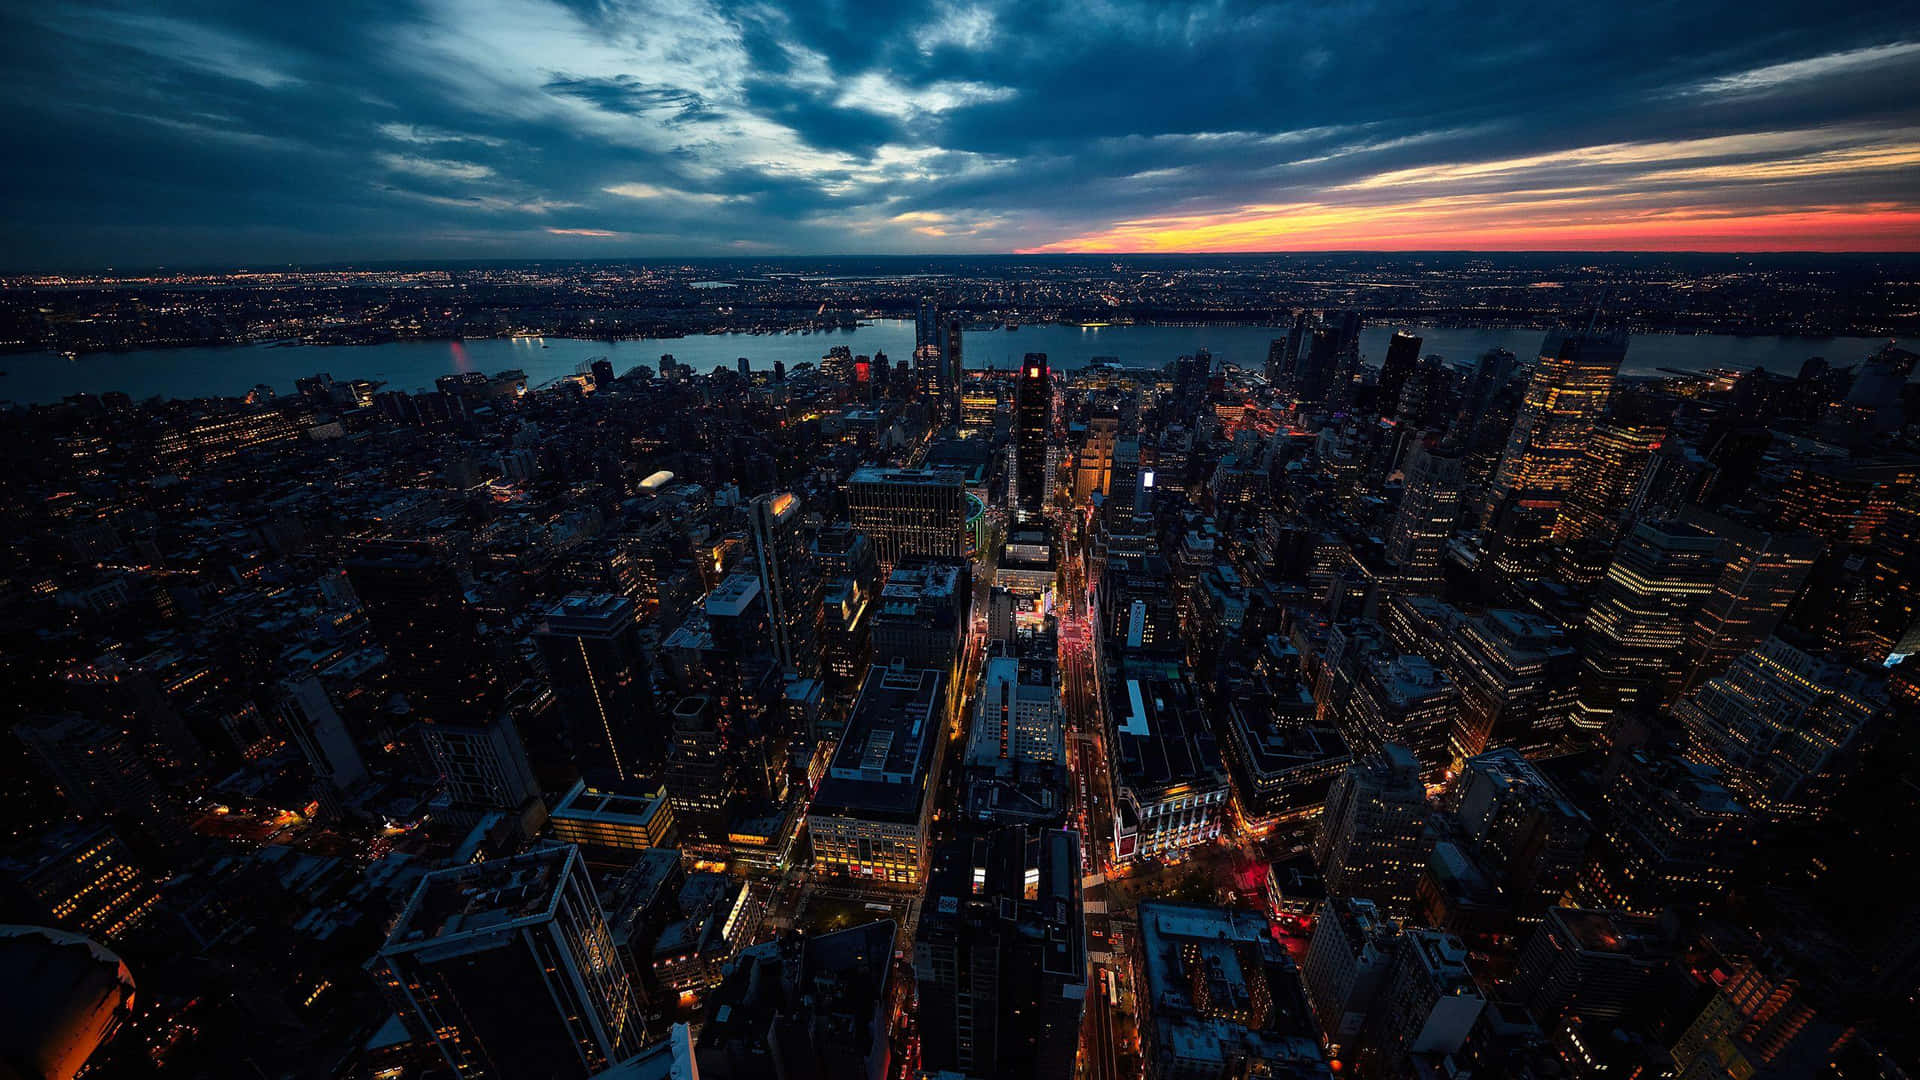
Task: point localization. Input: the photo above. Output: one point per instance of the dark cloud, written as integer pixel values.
(236, 132)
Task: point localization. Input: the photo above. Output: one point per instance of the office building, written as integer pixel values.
(1672, 836)
(1516, 672)
(1763, 574)
(1282, 757)
(1565, 398)
(419, 613)
(509, 967)
(1637, 627)
(598, 671)
(1016, 754)
(1032, 438)
(816, 1006)
(999, 957)
(1374, 838)
(922, 615)
(1590, 965)
(1348, 959)
(870, 814)
(1530, 838)
(1428, 1005)
(1429, 506)
(1602, 500)
(1137, 607)
(1380, 699)
(97, 766)
(81, 877)
(909, 512)
(789, 582)
(1785, 727)
(339, 772)
(612, 826)
(1403, 356)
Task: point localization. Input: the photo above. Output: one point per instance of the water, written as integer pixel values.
(411, 365)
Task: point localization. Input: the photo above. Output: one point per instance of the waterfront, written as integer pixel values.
(410, 365)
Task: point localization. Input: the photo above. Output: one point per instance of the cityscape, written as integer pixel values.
(686, 541)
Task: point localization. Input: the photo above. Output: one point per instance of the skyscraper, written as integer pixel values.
(338, 770)
(999, 957)
(1032, 434)
(1763, 574)
(1374, 841)
(1565, 399)
(1785, 727)
(1528, 835)
(1429, 505)
(1599, 505)
(1672, 835)
(910, 512)
(591, 645)
(1403, 355)
(1640, 618)
(509, 967)
(789, 582)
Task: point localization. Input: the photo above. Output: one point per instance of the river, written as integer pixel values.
(232, 370)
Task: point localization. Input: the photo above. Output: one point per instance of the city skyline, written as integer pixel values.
(538, 128)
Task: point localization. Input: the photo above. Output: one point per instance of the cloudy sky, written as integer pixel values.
(212, 133)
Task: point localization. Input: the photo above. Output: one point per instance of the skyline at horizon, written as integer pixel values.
(211, 134)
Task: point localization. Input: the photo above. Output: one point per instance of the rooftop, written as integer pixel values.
(483, 898)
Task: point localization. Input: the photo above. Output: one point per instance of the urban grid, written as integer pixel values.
(959, 540)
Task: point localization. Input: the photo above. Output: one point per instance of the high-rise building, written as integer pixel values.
(1429, 506)
(1591, 965)
(1785, 727)
(845, 561)
(613, 827)
(999, 957)
(1516, 673)
(922, 614)
(509, 967)
(1347, 963)
(1403, 356)
(1428, 1005)
(1519, 825)
(1597, 508)
(338, 770)
(1374, 837)
(870, 815)
(591, 645)
(806, 1005)
(1565, 399)
(1281, 756)
(910, 512)
(1093, 466)
(789, 582)
(1763, 574)
(1016, 755)
(81, 877)
(1381, 699)
(97, 766)
(1672, 835)
(1032, 436)
(1641, 614)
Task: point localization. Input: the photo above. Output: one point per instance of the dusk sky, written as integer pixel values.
(218, 134)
